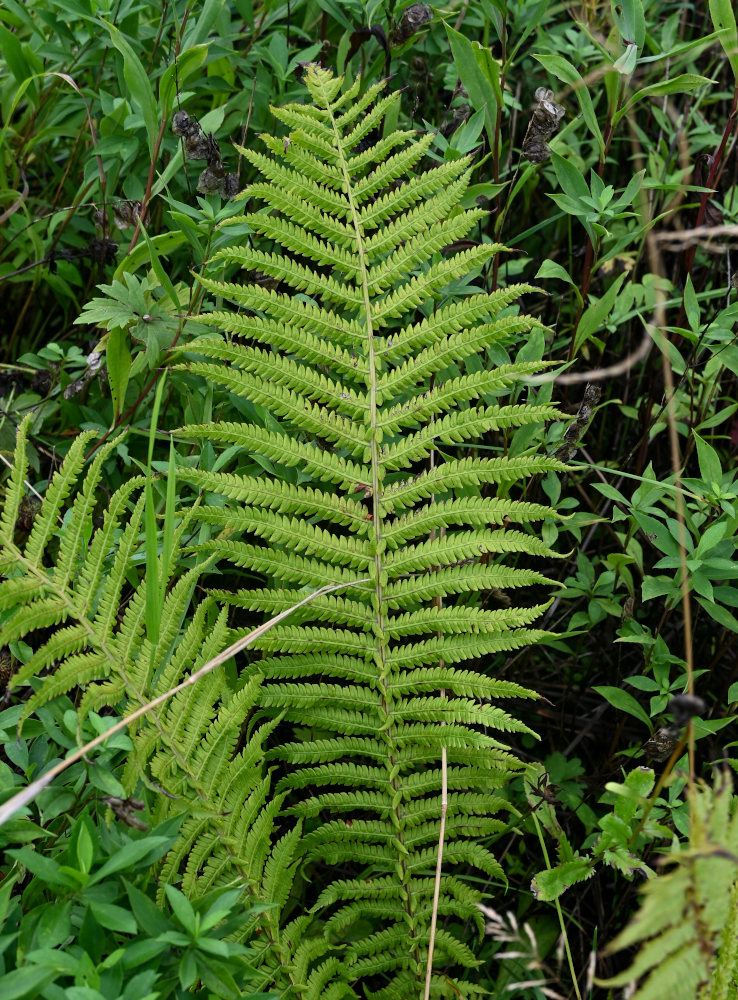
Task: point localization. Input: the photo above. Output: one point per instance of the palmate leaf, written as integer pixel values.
(349, 353)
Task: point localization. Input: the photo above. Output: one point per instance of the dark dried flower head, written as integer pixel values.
(6, 668)
(413, 19)
(182, 123)
(661, 745)
(126, 214)
(231, 185)
(29, 508)
(684, 707)
(545, 118)
(102, 251)
(211, 181)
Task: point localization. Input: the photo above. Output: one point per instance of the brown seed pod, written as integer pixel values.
(545, 119)
(413, 19)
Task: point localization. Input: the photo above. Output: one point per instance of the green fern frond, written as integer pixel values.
(680, 927)
(352, 349)
(68, 577)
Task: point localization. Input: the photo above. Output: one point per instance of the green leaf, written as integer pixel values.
(115, 918)
(129, 855)
(563, 70)
(550, 884)
(46, 869)
(183, 67)
(141, 253)
(571, 181)
(475, 81)
(147, 913)
(630, 21)
(623, 701)
(722, 616)
(84, 849)
(678, 85)
(26, 981)
(140, 89)
(118, 358)
(166, 281)
(181, 908)
(709, 461)
(691, 305)
(722, 13)
(594, 316)
(551, 269)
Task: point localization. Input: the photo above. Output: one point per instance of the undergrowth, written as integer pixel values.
(343, 375)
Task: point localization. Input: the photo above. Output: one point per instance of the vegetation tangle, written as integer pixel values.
(289, 600)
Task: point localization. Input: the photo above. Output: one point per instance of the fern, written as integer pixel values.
(686, 926)
(68, 579)
(371, 382)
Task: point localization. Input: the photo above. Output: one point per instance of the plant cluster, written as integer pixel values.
(436, 341)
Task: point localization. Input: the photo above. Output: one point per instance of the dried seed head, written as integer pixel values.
(126, 214)
(413, 19)
(661, 745)
(182, 124)
(684, 707)
(545, 119)
(27, 511)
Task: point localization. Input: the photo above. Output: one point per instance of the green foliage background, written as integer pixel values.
(644, 152)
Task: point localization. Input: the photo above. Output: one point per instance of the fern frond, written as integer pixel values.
(464, 425)
(68, 577)
(683, 913)
(370, 675)
(324, 465)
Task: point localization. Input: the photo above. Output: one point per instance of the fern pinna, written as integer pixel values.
(352, 352)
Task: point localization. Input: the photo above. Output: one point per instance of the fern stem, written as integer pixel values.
(439, 869)
(557, 904)
(379, 544)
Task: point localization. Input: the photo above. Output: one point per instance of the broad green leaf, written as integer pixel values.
(475, 82)
(723, 617)
(84, 849)
(46, 869)
(182, 68)
(630, 20)
(594, 316)
(118, 358)
(181, 908)
(141, 253)
(115, 918)
(166, 281)
(624, 701)
(722, 13)
(709, 461)
(691, 305)
(571, 180)
(28, 981)
(153, 922)
(551, 269)
(678, 85)
(130, 854)
(141, 90)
